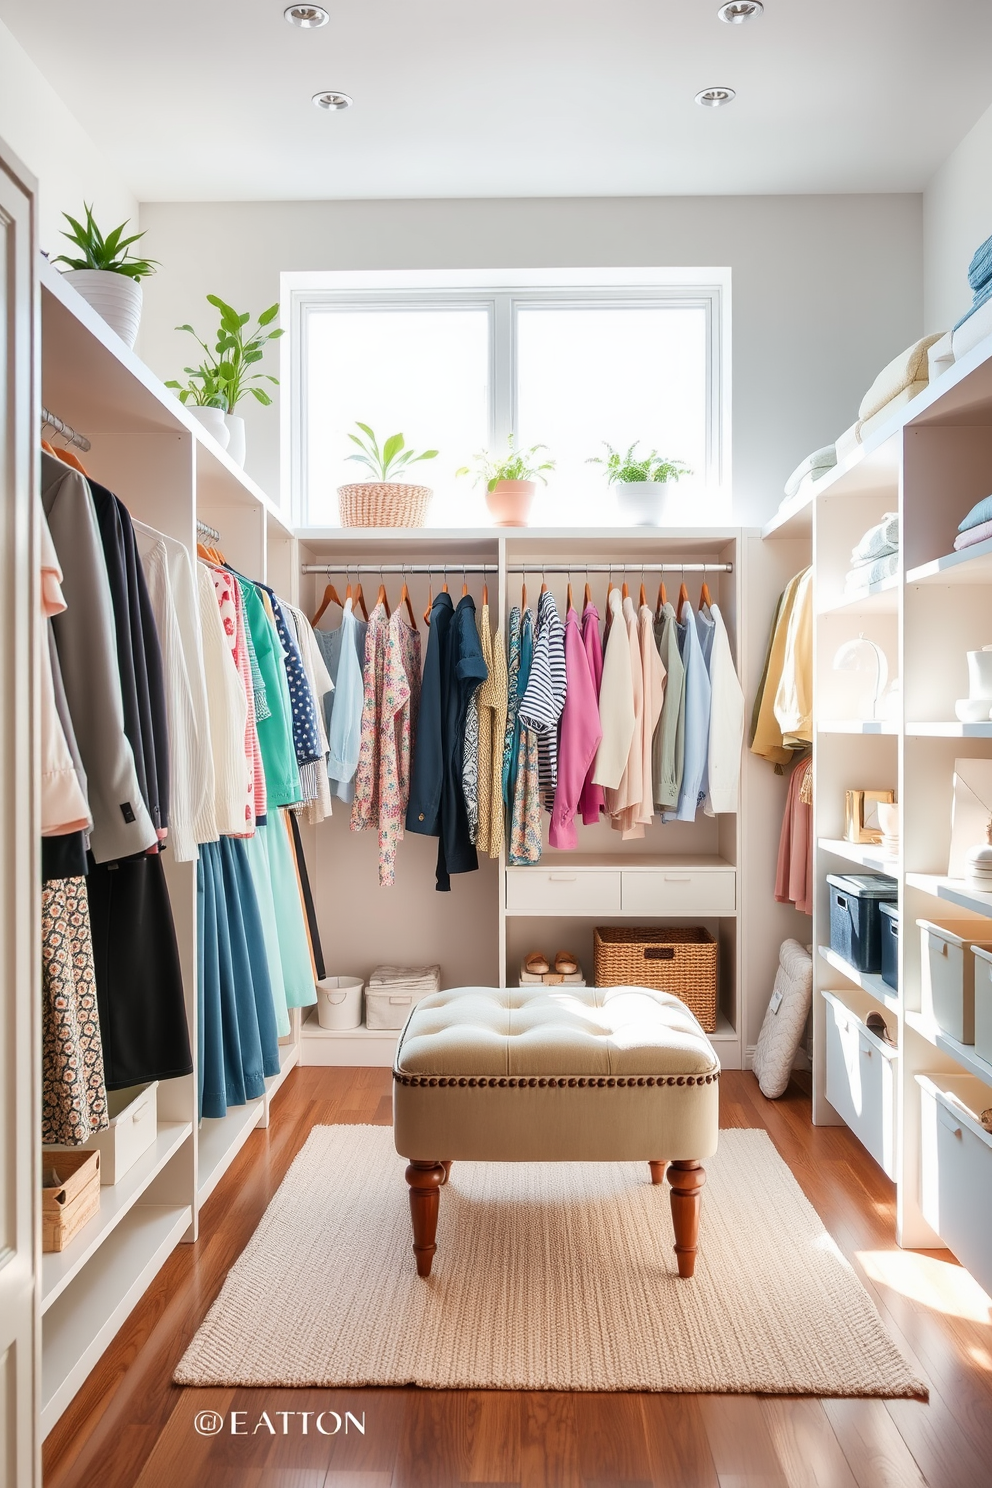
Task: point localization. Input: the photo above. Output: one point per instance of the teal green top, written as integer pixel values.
(275, 733)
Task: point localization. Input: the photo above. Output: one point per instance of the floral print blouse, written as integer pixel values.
(391, 700)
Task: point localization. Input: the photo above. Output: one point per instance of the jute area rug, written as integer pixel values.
(548, 1276)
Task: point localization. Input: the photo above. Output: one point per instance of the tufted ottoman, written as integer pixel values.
(555, 1074)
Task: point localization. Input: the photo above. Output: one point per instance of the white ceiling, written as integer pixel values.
(210, 99)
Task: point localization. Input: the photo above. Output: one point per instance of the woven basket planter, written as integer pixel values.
(383, 504)
(680, 961)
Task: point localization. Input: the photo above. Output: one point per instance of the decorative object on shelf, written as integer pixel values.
(971, 820)
(865, 658)
(386, 501)
(898, 383)
(226, 377)
(972, 710)
(681, 961)
(107, 274)
(813, 468)
(855, 921)
(980, 675)
(890, 943)
(640, 481)
(339, 1002)
(888, 820)
(536, 970)
(70, 1195)
(861, 818)
(785, 1020)
(876, 1024)
(511, 481)
(203, 397)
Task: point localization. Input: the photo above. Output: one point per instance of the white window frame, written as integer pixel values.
(501, 294)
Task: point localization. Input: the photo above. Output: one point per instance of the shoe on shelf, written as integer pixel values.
(537, 964)
(566, 963)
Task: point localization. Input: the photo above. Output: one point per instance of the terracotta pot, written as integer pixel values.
(510, 502)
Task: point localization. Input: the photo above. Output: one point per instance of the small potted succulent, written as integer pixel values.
(232, 360)
(384, 501)
(640, 481)
(203, 396)
(511, 481)
(107, 274)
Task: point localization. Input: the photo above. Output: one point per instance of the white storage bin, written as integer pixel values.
(133, 1128)
(339, 1002)
(948, 974)
(956, 1168)
(983, 1003)
(862, 1081)
(389, 1007)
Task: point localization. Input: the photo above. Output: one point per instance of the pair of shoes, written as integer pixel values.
(565, 963)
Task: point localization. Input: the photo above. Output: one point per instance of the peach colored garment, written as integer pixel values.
(794, 878)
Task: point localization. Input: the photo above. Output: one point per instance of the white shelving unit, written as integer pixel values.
(169, 471)
(930, 463)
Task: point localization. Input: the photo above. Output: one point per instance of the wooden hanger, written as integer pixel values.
(625, 591)
(381, 598)
(642, 598)
(360, 600)
(587, 598)
(568, 597)
(330, 597)
(430, 600)
(523, 595)
(464, 586)
(485, 592)
(544, 585)
(405, 600)
(704, 595)
(683, 600)
(662, 597)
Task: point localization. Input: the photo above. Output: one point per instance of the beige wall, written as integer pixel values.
(957, 217)
(826, 289)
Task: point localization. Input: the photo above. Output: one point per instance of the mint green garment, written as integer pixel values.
(258, 862)
(294, 944)
(275, 733)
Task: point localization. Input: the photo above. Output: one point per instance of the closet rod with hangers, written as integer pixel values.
(515, 568)
(203, 529)
(66, 430)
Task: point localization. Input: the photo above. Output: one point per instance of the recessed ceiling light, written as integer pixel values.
(715, 97)
(736, 12)
(307, 16)
(332, 100)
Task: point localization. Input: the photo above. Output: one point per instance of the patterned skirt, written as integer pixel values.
(74, 1099)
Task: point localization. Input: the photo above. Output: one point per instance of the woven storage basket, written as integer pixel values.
(383, 504)
(679, 961)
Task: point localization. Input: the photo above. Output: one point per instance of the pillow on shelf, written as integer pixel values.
(785, 1018)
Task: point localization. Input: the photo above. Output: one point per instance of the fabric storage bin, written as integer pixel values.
(133, 1129)
(983, 1003)
(948, 975)
(855, 923)
(680, 961)
(889, 930)
(956, 1168)
(862, 1082)
(393, 991)
(339, 1002)
(73, 1201)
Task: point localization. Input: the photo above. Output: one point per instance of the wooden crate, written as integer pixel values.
(65, 1209)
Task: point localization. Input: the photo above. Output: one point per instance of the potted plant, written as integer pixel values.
(203, 397)
(107, 274)
(235, 354)
(511, 481)
(385, 501)
(640, 481)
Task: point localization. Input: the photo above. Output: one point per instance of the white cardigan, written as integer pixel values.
(726, 723)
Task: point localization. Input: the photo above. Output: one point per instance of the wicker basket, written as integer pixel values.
(679, 961)
(383, 504)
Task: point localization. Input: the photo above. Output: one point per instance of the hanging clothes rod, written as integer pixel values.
(515, 568)
(61, 427)
(205, 530)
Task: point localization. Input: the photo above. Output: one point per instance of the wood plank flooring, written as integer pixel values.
(131, 1428)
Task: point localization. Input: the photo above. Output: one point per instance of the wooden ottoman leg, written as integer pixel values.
(446, 1165)
(658, 1171)
(425, 1179)
(687, 1179)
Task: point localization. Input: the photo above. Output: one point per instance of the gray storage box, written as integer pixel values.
(983, 1003)
(948, 975)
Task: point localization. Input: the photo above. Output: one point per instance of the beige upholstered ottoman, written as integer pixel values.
(555, 1074)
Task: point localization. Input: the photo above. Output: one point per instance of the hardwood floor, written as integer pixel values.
(131, 1428)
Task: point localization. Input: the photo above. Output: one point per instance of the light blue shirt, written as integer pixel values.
(344, 738)
(697, 720)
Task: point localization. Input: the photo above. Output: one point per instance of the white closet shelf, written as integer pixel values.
(794, 517)
(221, 1138)
(953, 890)
(949, 730)
(81, 1323)
(969, 566)
(866, 854)
(868, 981)
(858, 726)
(59, 1268)
(629, 862)
(880, 598)
(372, 1048)
(964, 1054)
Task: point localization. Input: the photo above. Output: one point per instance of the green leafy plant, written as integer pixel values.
(515, 465)
(626, 468)
(389, 462)
(204, 388)
(235, 352)
(110, 253)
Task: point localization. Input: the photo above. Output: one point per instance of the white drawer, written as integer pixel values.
(563, 891)
(956, 1166)
(664, 891)
(861, 1082)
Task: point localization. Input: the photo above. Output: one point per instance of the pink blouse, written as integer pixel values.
(581, 732)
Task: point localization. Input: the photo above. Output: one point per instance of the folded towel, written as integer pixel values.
(980, 268)
(872, 573)
(982, 297)
(974, 327)
(978, 534)
(908, 367)
(980, 512)
(411, 978)
(818, 463)
(846, 443)
(878, 541)
(867, 427)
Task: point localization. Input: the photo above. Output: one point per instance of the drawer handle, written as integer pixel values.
(659, 953)
(678, 878)
(563, 878)
(399, 1001)
(141, 1112)
(841, 902)
(943, 948)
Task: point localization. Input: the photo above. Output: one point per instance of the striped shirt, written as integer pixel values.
(542, 703)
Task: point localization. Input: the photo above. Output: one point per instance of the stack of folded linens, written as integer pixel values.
(392, 991)
(977, 525)
(876, 556)
(977, 323)
(813, 468)
(896, 385)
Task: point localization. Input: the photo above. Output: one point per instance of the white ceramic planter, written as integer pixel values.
(115, 297)
(236, 430)
(980, 675)
(642, 503)
(214, 420)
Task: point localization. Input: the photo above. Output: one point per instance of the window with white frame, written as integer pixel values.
(458, 366)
